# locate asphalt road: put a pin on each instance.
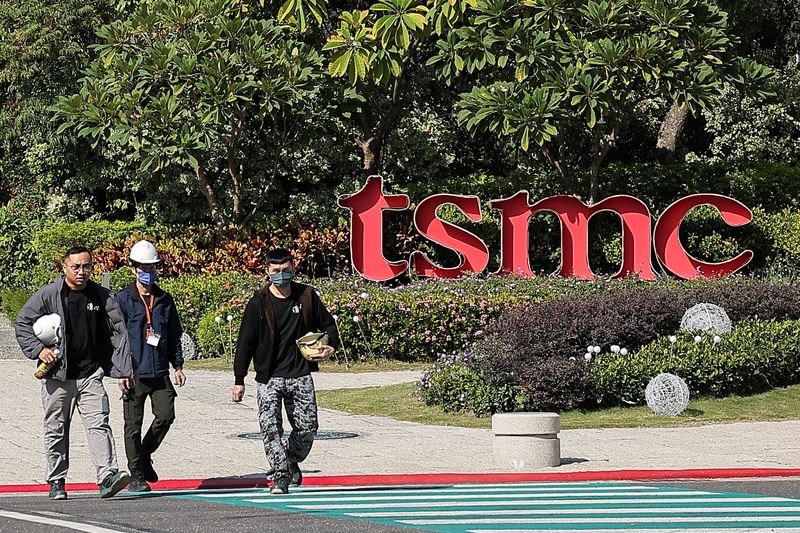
(327, 509)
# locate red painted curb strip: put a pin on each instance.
(441, 479)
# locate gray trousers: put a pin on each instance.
(59, 400)
(297, 394)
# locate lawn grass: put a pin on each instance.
(400, 402)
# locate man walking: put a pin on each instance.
(275, 317)
(95, 344)
(154, 333)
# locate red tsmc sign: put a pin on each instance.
(638, 235)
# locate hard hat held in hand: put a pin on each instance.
(311, 343)
(48, 329)
(143, 252)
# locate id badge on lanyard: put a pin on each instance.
(151, 337)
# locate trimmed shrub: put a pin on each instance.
(539, 348)
(756, 356)
(200, 296)
(217, 339)
(12, 300)
(455, 384)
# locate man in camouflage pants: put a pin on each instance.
(275, 317)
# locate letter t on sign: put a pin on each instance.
(366, 229)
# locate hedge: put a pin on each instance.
(757, 355)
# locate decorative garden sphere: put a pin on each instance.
(187, 344)
(667, 395)
(706, 317)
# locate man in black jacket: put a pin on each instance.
(275, 317)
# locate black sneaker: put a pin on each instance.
(138, 484)
(281, 486)
(113, 483)
(148, 472)
(295, 475)
(57, 490)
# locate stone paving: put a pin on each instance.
(204, 443)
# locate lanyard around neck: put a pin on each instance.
(147, 308)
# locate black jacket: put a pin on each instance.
(258, 341)
(152, 362)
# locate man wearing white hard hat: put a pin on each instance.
(93, 344)
(154, 333)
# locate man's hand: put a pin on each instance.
(47, 356)
(325, 353)
(125, 384)
(180, 377)
(237, 393)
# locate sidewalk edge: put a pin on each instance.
(439, 479)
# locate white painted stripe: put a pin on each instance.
(433, 491)
(534, 512)
(610, 520)
(405, 489)
(436, 495)
(468, 487)
(395, 505)
(77, 526)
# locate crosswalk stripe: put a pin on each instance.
(364, 505)
(484, 496)
(599, 520)
(503, 508)
(649, 530)
(439, 490)
(555, 512)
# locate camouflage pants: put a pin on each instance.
(297, 394)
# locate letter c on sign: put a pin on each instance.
(676, 259)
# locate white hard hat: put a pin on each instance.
(145, 253)
(48, 329)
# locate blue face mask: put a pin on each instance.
(281, 279)
(147, 278)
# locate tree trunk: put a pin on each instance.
(211, 198)
(603, 144)
(371, 149)
(563, 172)
(234, 169)
(670, 132)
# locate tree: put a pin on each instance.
(43, 48)
(767, 30)
(200, 85)
(373, 49)
(544, 65)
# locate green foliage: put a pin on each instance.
(546, 64)
(17, 255)
(217, 338)
(199, 296)
(756, 127)
(12, 300)
(197, 85)
(52, 240)
(456, 385)
(756, 356)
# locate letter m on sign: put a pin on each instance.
(574, 216)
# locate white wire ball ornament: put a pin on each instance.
(188, 347)
(706, 317)
(667, 395)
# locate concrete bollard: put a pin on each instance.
(524, 441)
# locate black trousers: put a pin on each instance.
(162, 401)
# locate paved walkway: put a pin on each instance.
(204, 442)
